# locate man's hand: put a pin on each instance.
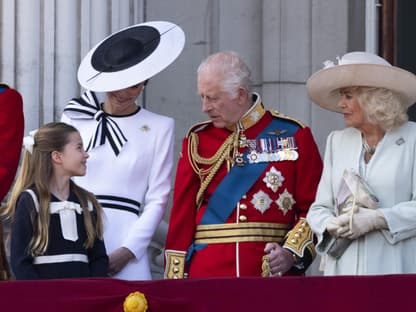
(118, 259)
(280, 259)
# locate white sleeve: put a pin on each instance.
(324, 205)
(157, 194)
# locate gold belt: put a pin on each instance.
(241, 232)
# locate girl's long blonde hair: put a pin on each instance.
(36, 171)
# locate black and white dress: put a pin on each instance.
(64, 257)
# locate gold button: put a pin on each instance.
(294, 241)
(176, 261)
(243, 206)
(175, 270)
(297, 235)
(243, 218)
(244, 196)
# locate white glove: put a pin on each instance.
(333, 226)
(360, 223)
(337, 225)
(350, 206)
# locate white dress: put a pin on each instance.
(140, 173)
(391, 174)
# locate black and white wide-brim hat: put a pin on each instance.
(130, 56)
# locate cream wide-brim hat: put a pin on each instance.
(130, 56)
(359, 69)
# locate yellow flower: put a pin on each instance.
(135, 302)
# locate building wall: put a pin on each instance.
(283, 41)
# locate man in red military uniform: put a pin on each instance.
(11, 136)
(244, 183)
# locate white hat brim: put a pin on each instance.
(172, 41)
(323, 85)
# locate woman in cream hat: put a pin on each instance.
(130, 148)
(364, 214)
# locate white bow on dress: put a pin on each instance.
(66, 210)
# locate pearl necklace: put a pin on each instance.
(369, 149)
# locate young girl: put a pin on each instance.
(57, 230)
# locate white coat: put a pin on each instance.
(141, 172)
(391, 174)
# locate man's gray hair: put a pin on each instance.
(231, 69)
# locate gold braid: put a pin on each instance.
(230, 146)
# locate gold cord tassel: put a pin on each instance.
(214, 163)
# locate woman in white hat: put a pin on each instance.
(130, 148)
(364, 214)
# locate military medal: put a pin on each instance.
(252, 157)
(285, 201)
(261, 201)
(242, 142)
(272, 149)
(273, 179)
(239, 159)
(295, 154)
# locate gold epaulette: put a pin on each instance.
(197, 127)
(300, 238)
(277, 114)
(175, 264)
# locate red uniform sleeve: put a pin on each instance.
(11, 137)
(309, 170)
(182, 217)
(308, 173)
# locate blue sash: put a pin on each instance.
(239, 180)
(237, 183)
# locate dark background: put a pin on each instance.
(406, 40)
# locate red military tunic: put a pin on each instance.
(11, 137)
(272, 206)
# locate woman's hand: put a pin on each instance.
(118, 259)
(333, 226)
(360, 223)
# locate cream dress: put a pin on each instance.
(391, 174)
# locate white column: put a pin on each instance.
(243, 32)
(371, 25)
(27, 58)
(66, 53)
(7, 42)
(47, 74)
(100, 20)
